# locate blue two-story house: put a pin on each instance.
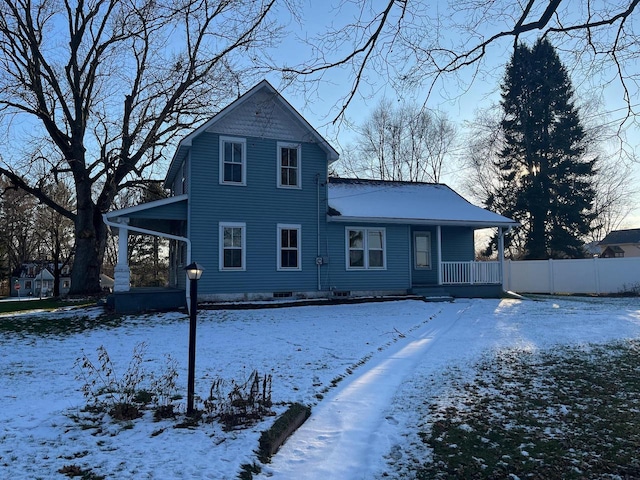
(251, 201)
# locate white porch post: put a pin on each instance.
(439, 250)
(501, 255)
(122, 274)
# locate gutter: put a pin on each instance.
(417, 221)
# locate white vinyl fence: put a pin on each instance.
(589, 276)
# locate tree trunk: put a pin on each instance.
(91, 237)
(56, 271)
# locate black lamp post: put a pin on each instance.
(194, 272)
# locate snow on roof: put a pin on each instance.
(404, 202)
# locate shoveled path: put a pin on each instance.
(350, 430)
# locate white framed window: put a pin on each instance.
(422, 250)
(232, 246)
(289, 165)
(233, 161)
(366, 248)
(289, 243)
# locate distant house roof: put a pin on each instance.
(353, 200)
(620, 237)
(185, 144)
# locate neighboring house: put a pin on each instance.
(621, 243)
(36, 280)
(252, 203)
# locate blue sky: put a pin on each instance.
(459, 96)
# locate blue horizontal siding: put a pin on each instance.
(457, 244)
(261, 206)
(394, 277)
(173, 211)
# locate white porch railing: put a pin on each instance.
(469, 273)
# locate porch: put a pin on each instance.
(147, 299)
(464, 279)
(471, 273)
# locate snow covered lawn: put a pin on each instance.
(367, 370)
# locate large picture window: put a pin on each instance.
(365, 248)
(288, 165)
(233, 161)
(232, 246)
(422, 250)
(289, 253)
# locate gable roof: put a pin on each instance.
(263, 87)
(352, 200)
(619, 237)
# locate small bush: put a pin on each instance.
(243, 404)
(632, 290)
(102, 386)
(124, 397)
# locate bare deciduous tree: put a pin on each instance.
(54, 231)
(404, 143)
(110, 84)
(417, 44)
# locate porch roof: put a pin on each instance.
(406, 202)
(159, 215)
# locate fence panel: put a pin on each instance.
(589, 276)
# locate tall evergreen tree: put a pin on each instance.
(546, 179)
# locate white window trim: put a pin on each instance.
(222, 226)
(243, 141)
(288, 226)
(415, 251)
(366, 248)
(298, 147)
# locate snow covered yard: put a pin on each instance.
(368, 370)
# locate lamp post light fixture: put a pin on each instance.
(194, 272)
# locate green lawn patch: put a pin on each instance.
(44, 304)
(76, 321)
(571, 413)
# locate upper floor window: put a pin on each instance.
(232, 246)
(366, 248)
(233, 160)
(289, 247)
(288, 165)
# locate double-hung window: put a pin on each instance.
(366, 248)
(232, 246)
(233, 161)
(289, 253)
(289, 165)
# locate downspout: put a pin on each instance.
(158, 234)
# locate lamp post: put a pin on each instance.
(194, 272)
